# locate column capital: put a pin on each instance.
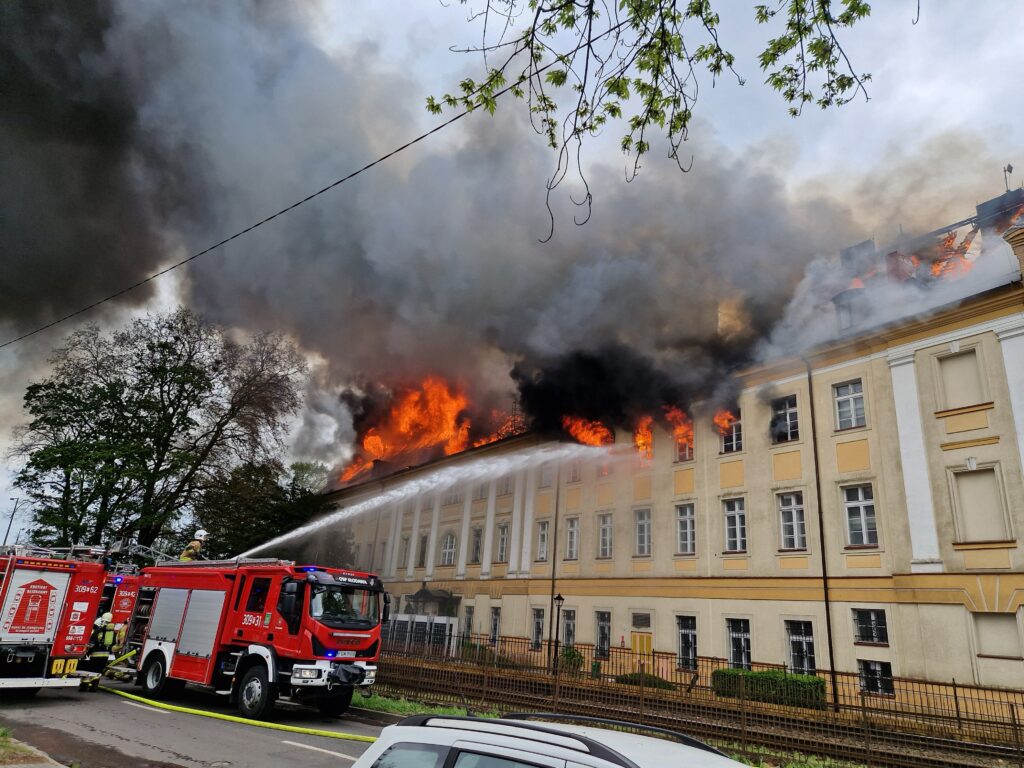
(1012, 328)
(901, 357)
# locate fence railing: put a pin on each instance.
(868, 719)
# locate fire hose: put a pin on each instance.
(242, 720)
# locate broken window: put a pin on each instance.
(785, 425)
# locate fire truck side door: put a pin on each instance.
(291, 604)
(253, 623)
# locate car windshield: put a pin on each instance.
(344, 607)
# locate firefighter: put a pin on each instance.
(191, 552)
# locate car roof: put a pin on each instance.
(602, 739)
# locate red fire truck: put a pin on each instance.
(47, 606)
(258, 629)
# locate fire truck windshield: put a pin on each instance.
(344, 607)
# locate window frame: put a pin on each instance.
(572, 538)
(732, 441)
(692, 518)
(602, 643)
(536, 639)
(568, 620)
(469, 614)
(799, 539)
(605, 543)
(452, 496)
(685, 451)
(1009, 533)
(852, 398)
(643, 530)
(476, 545)
(879, 631)
(883, 678)
(781, 408)
(501, 540)
(803, 639)
(744, 636)
(449, 548)
(543, 541)
(546, 476)
(423, 550)
(575, 473)
(741, 528)
(690, 662)
(860, 503)
(494, 627)
(955, 349)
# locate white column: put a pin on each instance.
(517, 515)
(492, 494)
(435, 520)
(467, 513)
(414, 537)
(924, 538)
(393, 540)
(529, 487)
(1011, 340)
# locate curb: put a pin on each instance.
(44, 759)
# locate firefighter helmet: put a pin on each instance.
(201, 535)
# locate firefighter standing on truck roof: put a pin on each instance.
(191, 552)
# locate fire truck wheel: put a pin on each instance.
(334, 703)
(154, 678)
(255, 694)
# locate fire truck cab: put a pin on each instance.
(47, 607)
(259, 629)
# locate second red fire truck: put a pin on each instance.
(259, 629)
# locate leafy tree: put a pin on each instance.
(579, 64)
(130, 427)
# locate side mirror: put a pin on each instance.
(386, 614)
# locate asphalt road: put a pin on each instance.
(102, 730)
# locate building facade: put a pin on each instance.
(882, 471)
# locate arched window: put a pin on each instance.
(448, 549)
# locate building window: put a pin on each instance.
(801, 647)
(961, 380)
(569, 626)
(735, 525)
(452, 496)
(791, 517)
(480, 492)
(476, 546)
(859, 501)
(849, 404)
(421, 556)
(504, 486)
(604, 470)
(869, 626)
(572, 538)
(739, 643)
(732, 436)
(537, 633)
(448, 549)
(642, 526)
(785, 425)
(603, 640)
(547, 476)
(542, 541)
(980, 515)
(575, 472)
(684, 450)
(495, 625)
(503, 544)
(469, 619)
(686, 530)
(686, 630)
(604, 535)
(642, 621)
(403, 556)
(875, 676)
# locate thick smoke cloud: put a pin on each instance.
(166, 127)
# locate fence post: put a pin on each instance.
(956, 703)
(743, 711)
(1016, 731)
(865, 726)
(641, 693)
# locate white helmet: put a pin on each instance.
(201, 535)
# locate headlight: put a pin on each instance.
(307, 674)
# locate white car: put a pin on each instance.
(535, 741)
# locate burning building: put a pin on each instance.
(859, 493)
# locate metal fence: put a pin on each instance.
(876, 721)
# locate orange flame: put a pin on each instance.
(724, 421)
(952, 258)
(586, 431)
(511, 424)
(682, 426)
(643, 437)
(420, 418)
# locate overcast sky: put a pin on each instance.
(945, 115)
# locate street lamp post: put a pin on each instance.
(11, 521)
(558, 626)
